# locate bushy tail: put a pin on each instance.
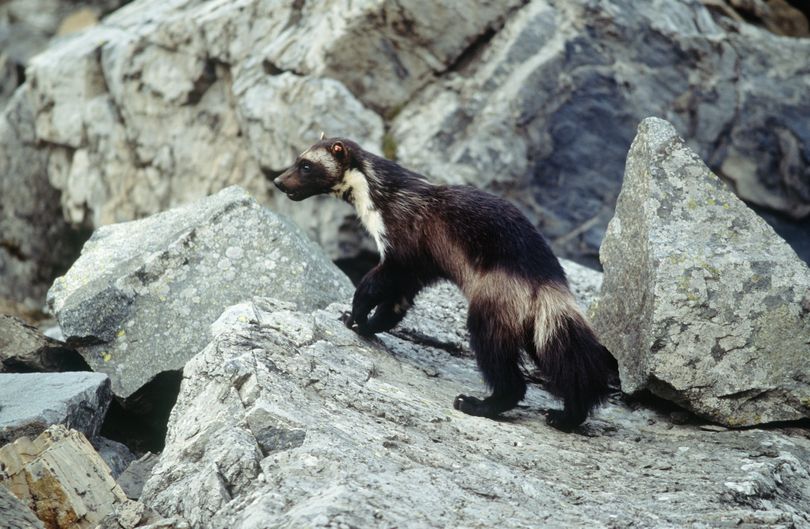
(574, 364)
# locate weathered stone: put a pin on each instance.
(702, 303)
(364, 435)
(60, 477)
(140, 298)
(16, 515)
(23, 348)
(136, 474)
(31, 402)
(35, 241)
(117, 456)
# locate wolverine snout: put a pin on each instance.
(279, 184)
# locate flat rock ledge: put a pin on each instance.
(288, 419)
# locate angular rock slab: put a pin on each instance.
(31, 402)
(288, 419)
(143, 293)
(702, 303)
(61, 478)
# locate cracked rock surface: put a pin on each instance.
(288, 419)
(702, 303)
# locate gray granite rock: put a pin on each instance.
(702, 303)
(117, 456)
(137, 472)
(23, 348)
(140, 298)
(16, 515)
(288, 419)
(31, 402)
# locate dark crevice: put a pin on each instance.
(203, 82)
(20, 73)
(14, 250)
(471, 52)
(141, 421)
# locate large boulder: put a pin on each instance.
(288, 419)
(31, 402)
(164, 102)
(702, 303)
(140, 298)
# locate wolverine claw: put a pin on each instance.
(559, 420)
(347, 318)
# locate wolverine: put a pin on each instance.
(518, 294)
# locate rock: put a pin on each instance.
(136, 474)
(16, 515)
(292, 420)
(23, 348)
(31, 402)
(35, 241)
(60, 477)
(117, 456)
(140, 298)
(131, 514)
(702, 303)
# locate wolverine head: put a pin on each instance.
(316, 171)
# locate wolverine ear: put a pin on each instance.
(338, 150)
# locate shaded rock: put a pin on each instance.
(140, 298)
(702, 303)
(117, 456)
(137, 472)
(23, 348)
(16, 515)
(35, 240)
(364, 435)
(131, 514)
(31, 402)
(60, 477)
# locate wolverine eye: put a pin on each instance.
(306, 167)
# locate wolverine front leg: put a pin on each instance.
(380, 288)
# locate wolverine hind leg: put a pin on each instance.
(497, 352)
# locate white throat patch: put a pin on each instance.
(355, 181)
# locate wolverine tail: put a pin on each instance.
(576, 366)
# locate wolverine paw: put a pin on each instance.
(347, 318)
(472, 406)
(559, 420)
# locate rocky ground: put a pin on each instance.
(196, 373)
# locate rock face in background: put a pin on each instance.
(61, 478)
(31, 402)
(27, 26)
(140, 298)
(166, 101)
(289, 419)
(701, 302)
